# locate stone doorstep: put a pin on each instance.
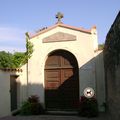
(62, 112)
(15, 112)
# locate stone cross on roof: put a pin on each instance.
(59, 16)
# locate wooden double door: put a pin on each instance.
(61, 81)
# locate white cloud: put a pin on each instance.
(12, 39)
(12, 34)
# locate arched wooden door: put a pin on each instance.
(61, 81)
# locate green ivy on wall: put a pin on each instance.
(29, 47)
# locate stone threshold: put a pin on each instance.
(62, 112)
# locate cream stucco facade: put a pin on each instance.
(5, 89)
(84, 48)
(81, 43)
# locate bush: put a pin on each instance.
(88, 107)
(32, 106)
(26, 108)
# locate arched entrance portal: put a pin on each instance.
(61, 81)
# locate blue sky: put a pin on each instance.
(20, 16)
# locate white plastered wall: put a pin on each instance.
(23, 84)
(91, 68)
(5, 101)
(82, 48)
(100, 79)
(4, 94)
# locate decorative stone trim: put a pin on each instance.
(11, 69)
(60, 25)
(59, 37)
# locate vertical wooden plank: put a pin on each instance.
(61, 81)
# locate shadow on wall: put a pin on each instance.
(64, 95)
(19, 93)
(92, 75)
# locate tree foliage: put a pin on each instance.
(16, 60)
(101, 46)
(29, 47)
(6, 60)
(9, 60)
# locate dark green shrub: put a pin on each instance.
(26, 108)
(32, 106)
(88, 107)
(36, 109)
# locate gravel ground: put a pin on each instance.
(53, 117)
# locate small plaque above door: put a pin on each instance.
(59, 37)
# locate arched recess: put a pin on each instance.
(61, 81)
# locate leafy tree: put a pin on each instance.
(6, 60)
(101, 46)
(29, 47)
(18, 59)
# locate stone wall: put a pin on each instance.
(112, 69)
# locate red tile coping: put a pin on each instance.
(60, 25)
(11, 69)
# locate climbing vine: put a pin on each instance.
(29, 48)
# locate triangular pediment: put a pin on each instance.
(59, 37)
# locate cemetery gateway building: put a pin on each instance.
(65, 61)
